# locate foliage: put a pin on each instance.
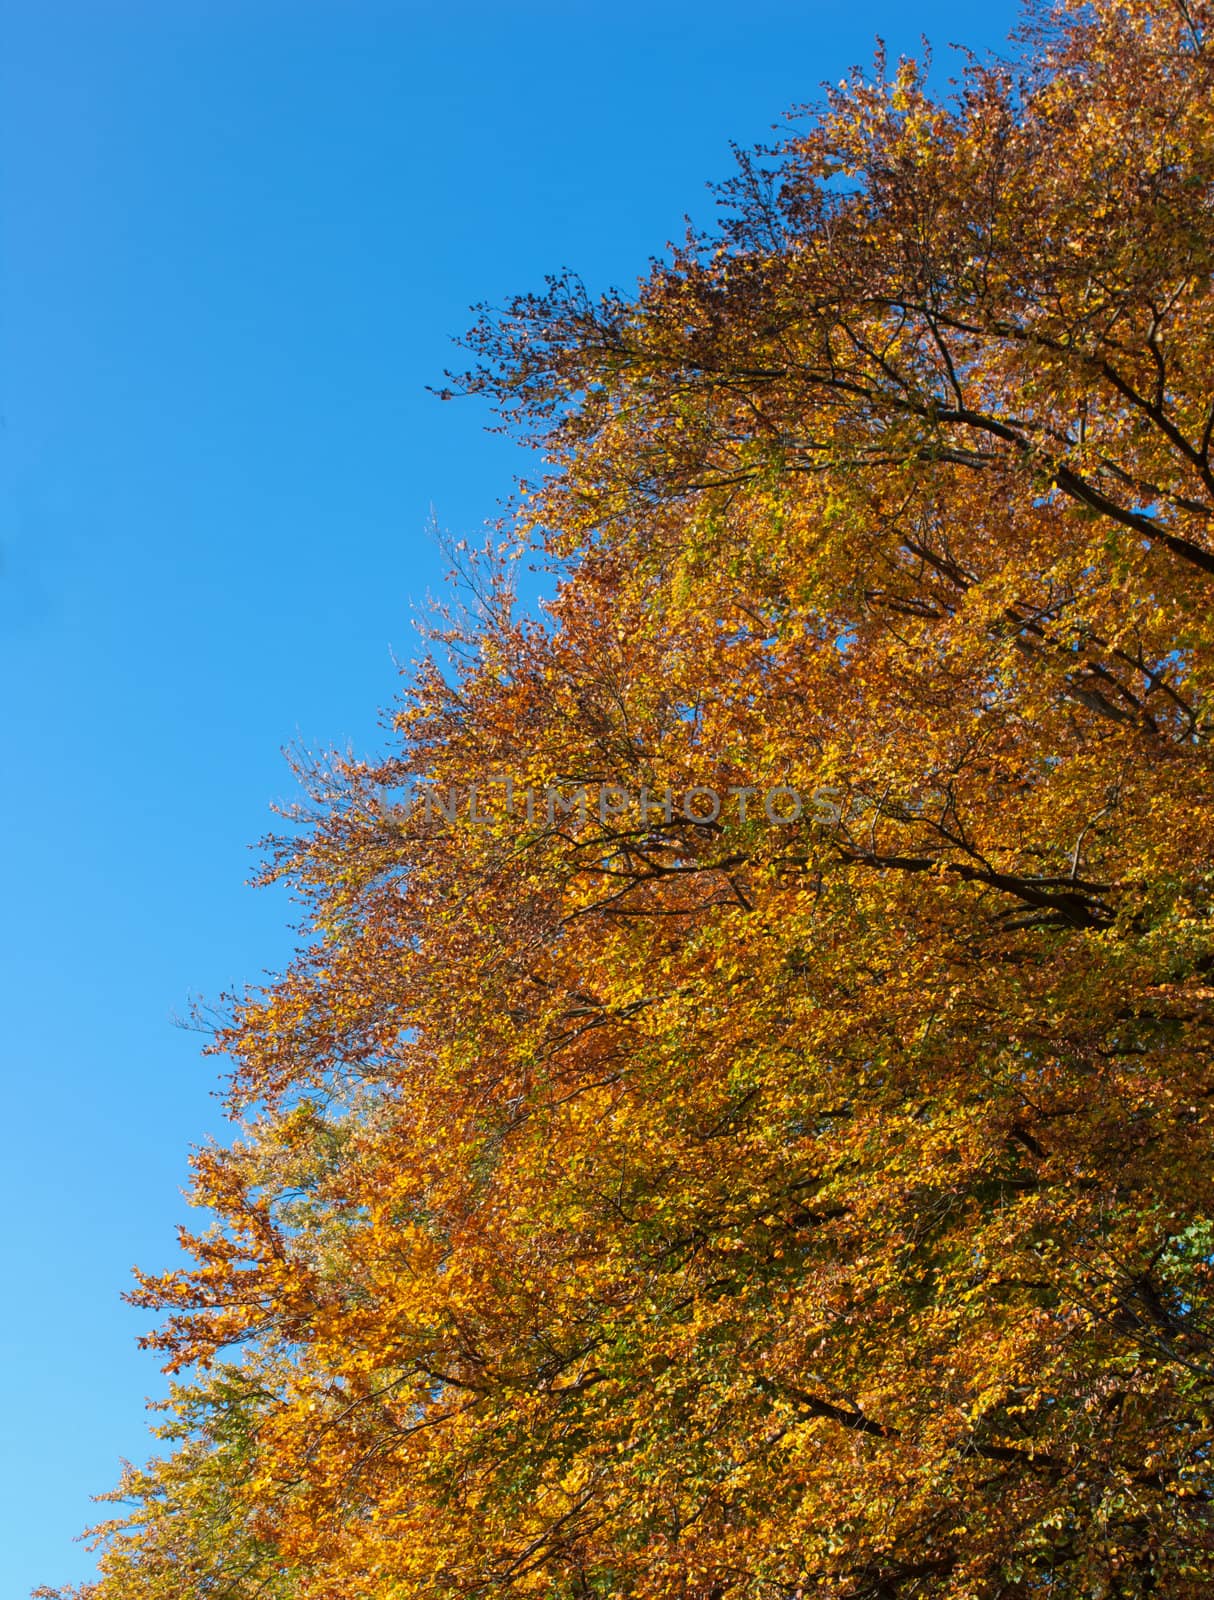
(729, 1210)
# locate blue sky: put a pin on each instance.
(237, 237)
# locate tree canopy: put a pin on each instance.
(641, 1199)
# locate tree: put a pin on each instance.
(645, 1199)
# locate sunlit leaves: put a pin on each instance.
(634, 1205)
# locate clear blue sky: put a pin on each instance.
(237, 236)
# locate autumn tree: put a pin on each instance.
(640, 1200)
